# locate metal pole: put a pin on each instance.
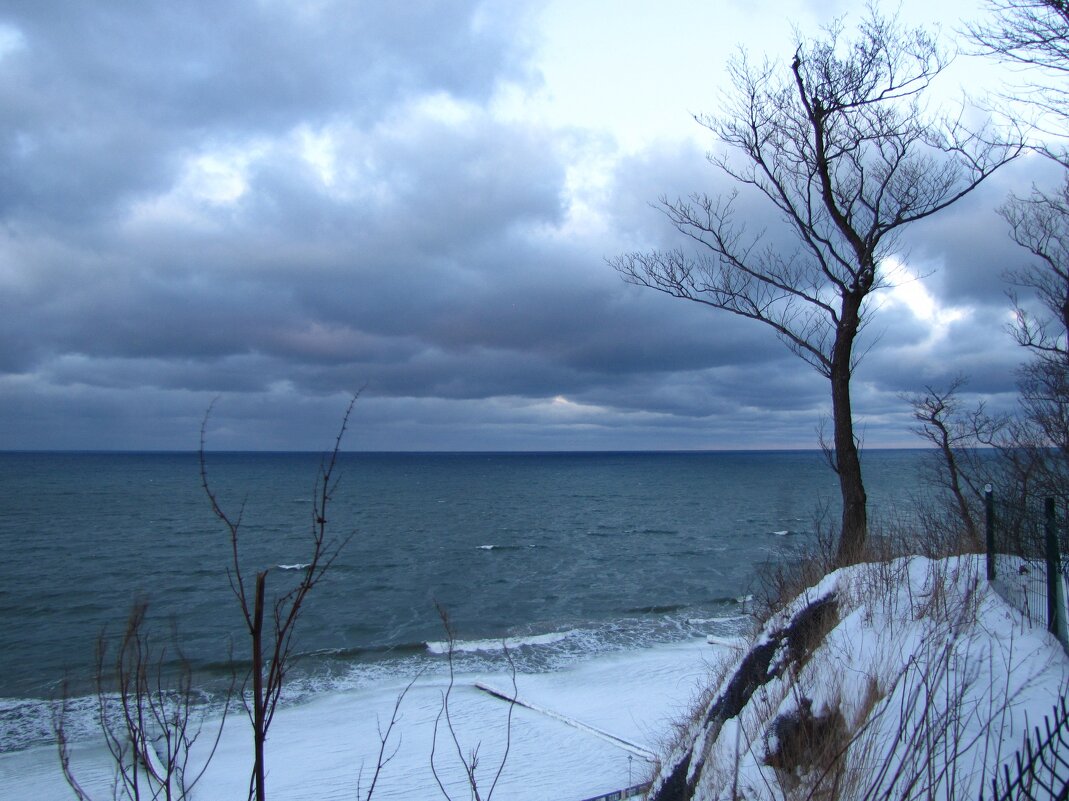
(989, 526)
(1055, 590)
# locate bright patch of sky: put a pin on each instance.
(209, 180)
(641, 76)
(560, 404)
(911, 292)
(11, 40)
(317, 148)
(632, 80)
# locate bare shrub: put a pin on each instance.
(798, 741)
(779, 581)
(469, 759)
(385, 752)
(148, 714)
(271, 644)
(921, 755)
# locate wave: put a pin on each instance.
(293, 567)
(504, 547)
(476, 646)
(610, 531)
(725, 600)
(359, 652)
(666, 609)
(27, 722)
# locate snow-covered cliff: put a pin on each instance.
(905, 679)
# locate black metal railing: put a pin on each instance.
(1040, 770)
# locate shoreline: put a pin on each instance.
(316, 748)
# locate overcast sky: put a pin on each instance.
(278, 202)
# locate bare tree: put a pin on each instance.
(1035, 34)
(147, 710)
(1040, 225)
(1032, 34)
(841, 146)
(957, 433)
(1027, 32)
(271, 644)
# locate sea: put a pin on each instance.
(568, 557)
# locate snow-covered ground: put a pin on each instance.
(316, 750)
(925, 678)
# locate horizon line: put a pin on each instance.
(446, 452)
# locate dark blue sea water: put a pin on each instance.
(567, 554)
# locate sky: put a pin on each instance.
(274, 204)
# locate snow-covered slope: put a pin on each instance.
(905, 679)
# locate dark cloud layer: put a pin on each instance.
(279, 203)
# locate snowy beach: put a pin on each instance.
(317, 750)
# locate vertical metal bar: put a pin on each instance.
(1051, 556)
(989, 529)
(1055, 584)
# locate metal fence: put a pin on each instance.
(1025, 544)
(1040, 770)
(1025, 564)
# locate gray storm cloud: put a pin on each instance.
(279, 203)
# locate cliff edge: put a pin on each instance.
(902, 679)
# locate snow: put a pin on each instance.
(935, 676)
(317, 750)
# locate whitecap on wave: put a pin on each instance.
(504, 547)
(472, 646)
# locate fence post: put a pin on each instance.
(1055, 589)
(989, 529)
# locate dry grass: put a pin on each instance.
(717, 672)
(899, 734)
(929, 532)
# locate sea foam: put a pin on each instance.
(473, 646)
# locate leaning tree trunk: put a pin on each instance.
(847, 461)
